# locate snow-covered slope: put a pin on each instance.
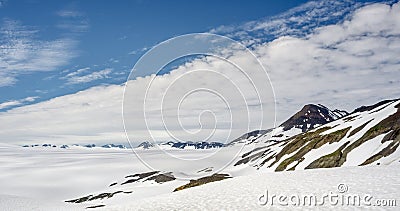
(249, 138)
(368, 136)
(244, 192)
(13, 203)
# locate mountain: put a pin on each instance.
(145, 145)
(312, 116)
(368, 136)
(181, 145)
(308, 118)
(65, 146)
(249, 138)
(120, 146)
(370, 107)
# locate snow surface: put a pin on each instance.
(242, 193)
(42, 179)
(364, 151)
(57, 175)
(15, 203)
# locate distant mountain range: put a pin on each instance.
(309, 117)
(65, 146)
(314, 137)
(182, 145)
(143, 145)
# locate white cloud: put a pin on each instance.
(124, 37)
(138, 51)
(80, 117)
(21, 52)
(77, 72)
(112, 60)
(342, 66)
(335, 62)
(69, 13)
(74, 26)
(6, 80)
(297, 22)
(73, 21)
(76, 77)
(13, 103)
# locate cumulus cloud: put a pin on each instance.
(342, 65)
(21, 52)
(85, 117)
(205, 97)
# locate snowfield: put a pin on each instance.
(12, 203)
(243, 193)
(42, 179)
(55, 175)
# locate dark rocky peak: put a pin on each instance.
(311, 116)
(371, 107)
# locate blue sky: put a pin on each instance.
(109, 36)
(104, 40)
(63, 64)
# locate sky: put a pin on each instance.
(101, 40)
(63, 64)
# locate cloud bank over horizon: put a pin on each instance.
(344, 65)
